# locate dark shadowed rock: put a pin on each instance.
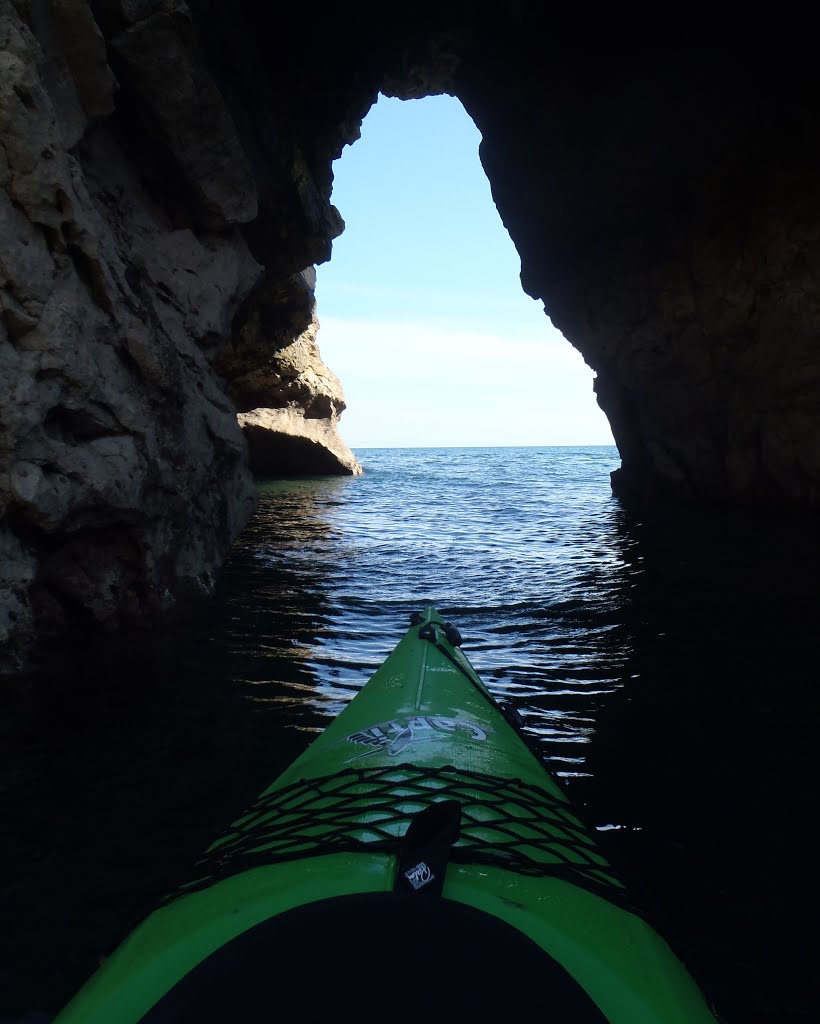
(160, 63)
(166, 176)
(123, 479)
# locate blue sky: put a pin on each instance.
(421, 309)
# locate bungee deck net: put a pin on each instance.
(504, 822)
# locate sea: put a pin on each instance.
(664, 662)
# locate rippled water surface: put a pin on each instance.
(666, 666)
(515, 545)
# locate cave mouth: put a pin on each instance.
(167, 197)
(422, 313)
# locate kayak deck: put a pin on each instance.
(379, 953)
(425, 729)
(505, 822)
(324, 849)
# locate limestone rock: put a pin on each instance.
(122, 469)
(275, 316)
(273, 365)
(166, 175)
(284, 442)
(290, 375)
(669, 219)
(82, 47)
(180, 102)
(290, 401)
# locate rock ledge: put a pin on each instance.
(284, 442)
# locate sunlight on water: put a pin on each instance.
(658, 666)
(520, 547)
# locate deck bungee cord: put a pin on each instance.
(417, 844)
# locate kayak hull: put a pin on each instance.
(424, 730)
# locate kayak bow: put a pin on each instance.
(416, 859)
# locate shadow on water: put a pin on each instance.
(666, 670)
(120, 768)
(705, 761)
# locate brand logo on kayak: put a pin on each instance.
(419, 876)
(394, 736)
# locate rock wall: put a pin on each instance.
(665, 204)
(123, 189)
(165, 178)
(123, 477)
(289, 402)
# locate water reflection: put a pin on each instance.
(706, 756)
(119, 768)
(665, 669)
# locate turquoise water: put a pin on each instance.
(665, 665)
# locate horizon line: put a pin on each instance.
(401, 447)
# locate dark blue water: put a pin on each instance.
(514, 544)
(665, 664)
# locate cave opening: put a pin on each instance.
(422, 313)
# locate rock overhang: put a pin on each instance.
(663, 199)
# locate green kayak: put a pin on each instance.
(417, 860)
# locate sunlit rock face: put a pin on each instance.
(165, 179)
(289, 402)
(287, 442)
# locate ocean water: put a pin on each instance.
(665, 664)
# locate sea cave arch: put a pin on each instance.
(662, 200)
(421, 308)
(165, 183)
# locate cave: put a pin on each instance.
(166, 173)
(166, 178)
(422, 312)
